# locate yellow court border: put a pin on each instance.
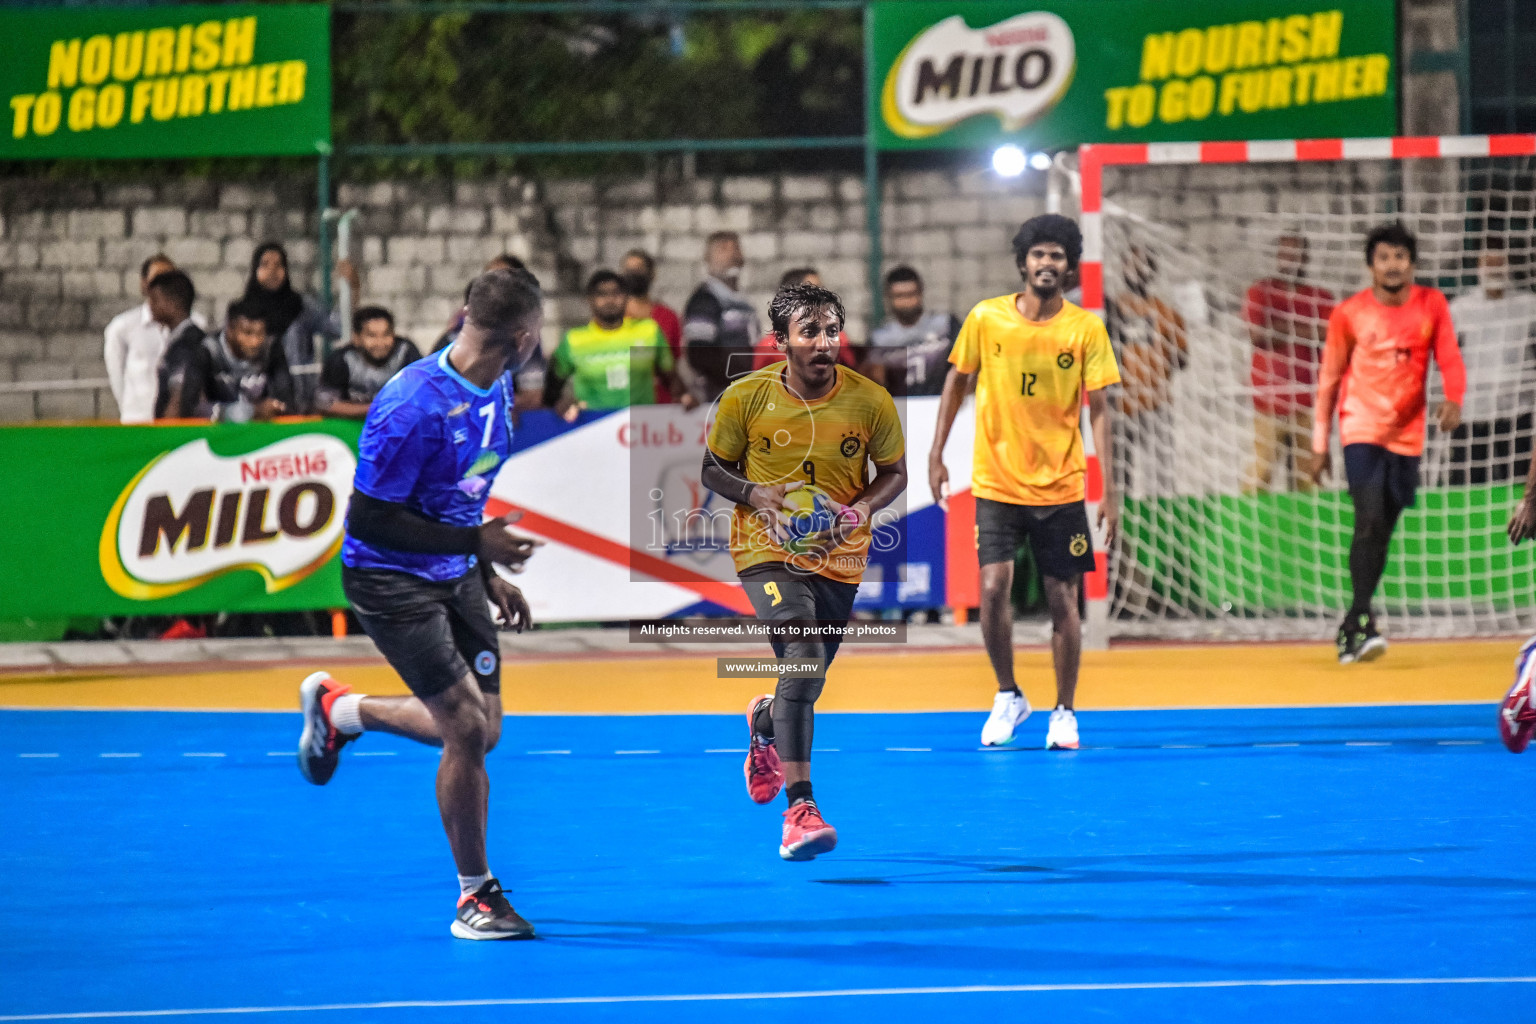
(1151, 676)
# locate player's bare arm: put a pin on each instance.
(1337, 351)
(1103, 444)
(1448, 416)
(500, 546)
(956, 386)
(508, 600)
(1319, 467)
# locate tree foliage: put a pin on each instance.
(476, 77)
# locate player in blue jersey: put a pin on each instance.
(417, 571)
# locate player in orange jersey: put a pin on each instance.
(1033, 355)
(1374, 365)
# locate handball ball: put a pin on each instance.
(810, 512)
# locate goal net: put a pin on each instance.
(1217, 282)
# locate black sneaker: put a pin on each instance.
(1348, 643)
(1358, 640)
(1372, 644)
(486, 914)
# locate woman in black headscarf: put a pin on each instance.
(294, 319)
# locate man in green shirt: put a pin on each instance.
(613, 361)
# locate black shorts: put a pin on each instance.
(433, 634)
(780, 593)
(1381, 481)
(1058, 535)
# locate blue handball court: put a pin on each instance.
(1342, 864)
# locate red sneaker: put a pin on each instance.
(765, 776)
(1517, 718)
(321, 742)
(805, 833)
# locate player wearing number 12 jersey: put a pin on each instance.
(1033, 355)
(806, 420)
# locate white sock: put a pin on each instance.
(345, 715)
(472, 883)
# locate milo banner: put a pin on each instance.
(166, 81)
(1063, 72)
(116, 520)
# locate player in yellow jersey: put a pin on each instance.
(1033, 355)
(804, 421)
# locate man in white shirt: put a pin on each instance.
(1497, 326)
(134, 345)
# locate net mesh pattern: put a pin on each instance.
(1218, 283)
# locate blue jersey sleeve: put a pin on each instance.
(397, 441)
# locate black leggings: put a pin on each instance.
(781, 594)
(1381, 485)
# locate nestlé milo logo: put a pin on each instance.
(1017, 69)
(192, 515)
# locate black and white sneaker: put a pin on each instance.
(1358, 639)
(1348, 644)
(1372, 644)
(486, 914)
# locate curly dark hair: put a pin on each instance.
(792, 302)
(1391, 234)
(1049, 227)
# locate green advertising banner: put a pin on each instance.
(237, 80)
(1266, 553)
(123, 520)
(1063, 72)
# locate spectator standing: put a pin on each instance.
(1287, 320)
(134, 343)
(169, 297)
(1153, 346)
(1496, 325)
(639, 272)
(767, 352)
(611, 362)
(909, 353)
(720, 326)
(353, 374)
(293, 319)
(237, 375)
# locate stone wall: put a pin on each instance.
(69, 254)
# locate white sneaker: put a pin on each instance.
(1062, 735)
(1009, 708)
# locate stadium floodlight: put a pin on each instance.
(1040, 161)
(1009, 161)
